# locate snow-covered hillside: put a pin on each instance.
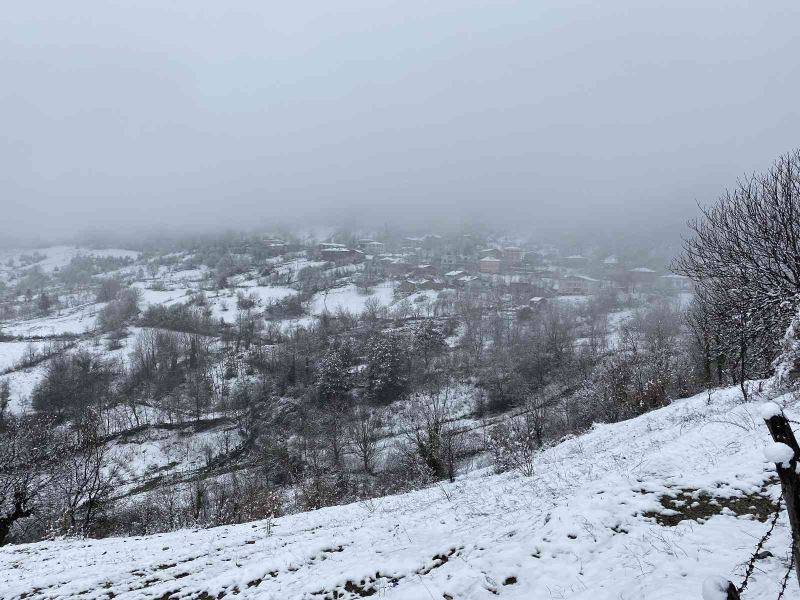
(647, 508)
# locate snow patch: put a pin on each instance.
(769, 410)
(716, 588)
(779, 453)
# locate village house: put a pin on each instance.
(489, 264)
(642, 278)
(512, 255)
(611, 263)
(537, 302)
(417, 285)
(432, 242)
(451, 276)
(394, 266)
(407, 286)
(449, 260)
(370, 246)
(328, 246)
(274, 246)
(425, 270)
(431, 284)
(520, 286)
(453, 260)
(341, 255)
(578, 285)
(544, 281)
(493, 252)
(575, 261)
(675, 283)
(470, 283)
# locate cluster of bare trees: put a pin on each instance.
(53, 479)
(648, 368)
(745, 260)
(237, 497)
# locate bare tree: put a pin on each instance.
(5, 399)
(86, 476)
(365, 438)
(426, 421)
(29, 448)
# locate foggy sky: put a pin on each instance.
(128, 116)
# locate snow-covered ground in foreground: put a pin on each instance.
(577, 529)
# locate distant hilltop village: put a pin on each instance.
(434, 262)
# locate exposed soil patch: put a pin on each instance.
(696, 505)
(369, 586)
(438, 561)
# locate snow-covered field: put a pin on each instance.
(57, 257)
(349, 298)
(12, 352)
(21, 384)
(75, 320)
(170, 452)
(582, 527)
(166, 297)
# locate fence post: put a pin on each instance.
(781, 432)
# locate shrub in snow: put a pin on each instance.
(233, 498)
(124, 307)
(428, 340)
(513, 446)
(108, 289)
(72, 383)
(334, 379)
(246, 301)
(625, 384)
(384, 377)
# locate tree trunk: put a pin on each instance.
(706, 359)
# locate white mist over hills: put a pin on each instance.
(549, 116)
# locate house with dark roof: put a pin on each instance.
(642, 277)
(578, 285)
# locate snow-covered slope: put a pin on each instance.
(645, 509)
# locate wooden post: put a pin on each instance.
(733, 593)
(782, 433)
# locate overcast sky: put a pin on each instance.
(200, 114)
